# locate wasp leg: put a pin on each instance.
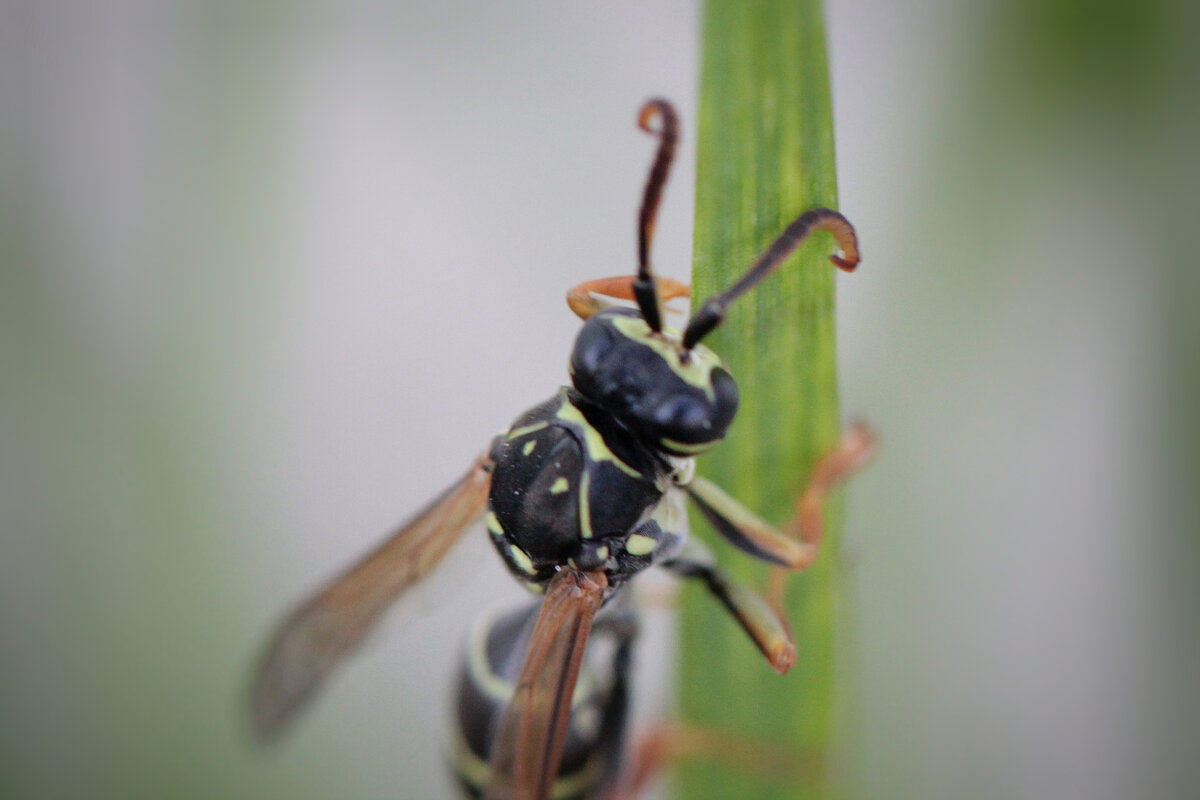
(794, 546)
(673, 741)
(583, 300)
(653, 750)
(768, 630)
(744, 529)
(807, 525)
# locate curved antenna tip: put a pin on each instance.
(645, 289)
(656, 107)
(845, 264)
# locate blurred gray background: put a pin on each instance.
(271, 274)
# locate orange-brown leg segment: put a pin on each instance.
(807, 526)
(586, 298)
(669, 742)
(793, 546)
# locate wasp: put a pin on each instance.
(583, 492)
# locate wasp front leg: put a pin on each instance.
(586, 301)
(794, 546)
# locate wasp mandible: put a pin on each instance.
(584, 491)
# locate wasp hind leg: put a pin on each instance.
(664, 743)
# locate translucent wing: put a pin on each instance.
(530, 740)
(330, 625)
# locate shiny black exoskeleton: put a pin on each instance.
(579, 477)
(571, 485)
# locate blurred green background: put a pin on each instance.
(270, 275)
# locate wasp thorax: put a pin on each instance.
(676, 402)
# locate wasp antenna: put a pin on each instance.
(712, 311)
(644, 288)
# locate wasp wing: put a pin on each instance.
(529, 742)
(331, 624)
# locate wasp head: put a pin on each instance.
(678, 401)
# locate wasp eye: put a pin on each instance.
(685, 420)
(682, 412)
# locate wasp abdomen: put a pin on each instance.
(487, 680)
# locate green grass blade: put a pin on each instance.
(765, 154)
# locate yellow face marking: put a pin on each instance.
(528, 448)
(517, 433)
(698, 369)
(681, 447)
(493, 524)
(638, 545)
(593, 441)
(560, 486)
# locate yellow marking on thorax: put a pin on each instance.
(517, 433)
(585, 511)
(560, 486)
(522, 560)
(638, 545)
(597, 449)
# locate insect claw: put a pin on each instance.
(782, 657)
(844, 264)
